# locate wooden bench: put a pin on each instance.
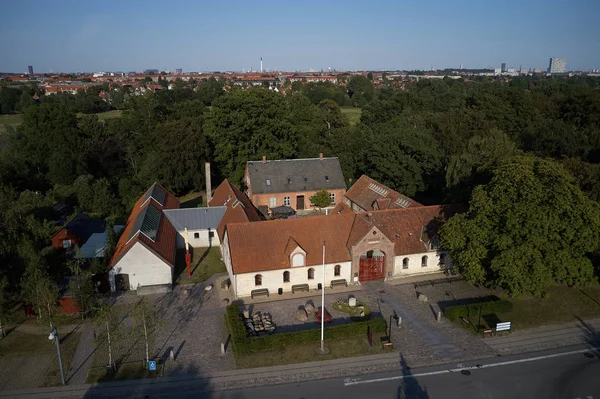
(464, 320)
(388, 345)
(489, 332)
(258, 292)
(339, 282)
(300, 287)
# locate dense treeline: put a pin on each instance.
(441, 141)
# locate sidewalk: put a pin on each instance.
(579, 332)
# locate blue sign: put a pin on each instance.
(152, 365)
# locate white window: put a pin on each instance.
(196, 235)
(268, 182)
(332, 198)
(66, 243)
(298, 260)
(424, 261)
(405, 263)
(272, 202)
(286, 201)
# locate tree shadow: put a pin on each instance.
(590, 333)
(204, 255)
(186, 380)
(409, 387)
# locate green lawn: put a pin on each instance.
(12, 119)
(17, 344)
(205, 263)
(563, 305)
(352, 113)
(17, 119)
(127, 371)
(192, 200)
(302, 353)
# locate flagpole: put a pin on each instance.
(323, 302)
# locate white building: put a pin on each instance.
(557, 65)
(285, 255)
(145, 253)
(201, 224)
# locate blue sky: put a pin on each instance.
(202, 35)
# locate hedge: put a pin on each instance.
(490, 307)
(242, 344)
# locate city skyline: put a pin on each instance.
(68, 36)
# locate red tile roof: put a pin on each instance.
(408, 228)
(366, 191)
(239, 207)
(164, 245)
(263, 246)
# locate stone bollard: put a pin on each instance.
(222, 348)
(172, 355)
(439, 316)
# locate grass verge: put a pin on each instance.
(301, 353)
(68, 346)
(205, 263)
(125, 371)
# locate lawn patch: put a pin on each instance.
(205, 263)
(352, 113)
(68, 346)
(125, 371)
(360, 312)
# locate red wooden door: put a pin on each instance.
(371, 269)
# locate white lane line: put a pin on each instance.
(455, 370)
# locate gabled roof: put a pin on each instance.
(148, 225)
(294, 175)
(410, 229)
(195, 218)
(369, 194)
(82, 226)
(239, 207)
(256, 247)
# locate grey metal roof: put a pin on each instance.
(292, 175)
(195, 218)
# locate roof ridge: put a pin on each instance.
(295, 159)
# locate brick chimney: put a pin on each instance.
(321, 156)
(208, 182)
(264, 159)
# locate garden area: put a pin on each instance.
(267, 347)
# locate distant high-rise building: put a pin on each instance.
(503, 68)
(178, 71)
(30, 69)
(557, 65)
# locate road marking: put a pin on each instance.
(481, 366)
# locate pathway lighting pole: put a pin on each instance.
(54, 336)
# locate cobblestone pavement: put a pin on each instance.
(83, 355)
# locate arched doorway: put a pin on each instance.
(372, 264)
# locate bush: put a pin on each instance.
(454, 313)
(242, 344)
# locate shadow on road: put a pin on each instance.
(409, 387)
(188, 384)
(590, 333)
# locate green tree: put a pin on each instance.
(40, 291)
(5, 313)
(321, 199)
(81, 287)
(107, 320)
(147, 321)
(528, 228)
(360, 90)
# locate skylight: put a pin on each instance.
(268, 182)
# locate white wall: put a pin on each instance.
(414, 264)
(273, 279)
(143, 268)
(226, 255)
(203, 241)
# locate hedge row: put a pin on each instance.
(490, 307)
(242, 344)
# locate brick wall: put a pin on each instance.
(264, 199)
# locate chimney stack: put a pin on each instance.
(264, 159)
(321, 156)
(208, 182)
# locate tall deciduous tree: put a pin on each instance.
(529, 228)
(145, 321)
(321, 199)
(107, 320)
(40, 291)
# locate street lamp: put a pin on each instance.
(54, 336)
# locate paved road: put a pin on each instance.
(569, 373)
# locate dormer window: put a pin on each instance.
(305, 179)
(289, 181)
(326, 178)
(298, 260)
(268, 182)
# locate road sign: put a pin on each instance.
(152, 365)
(503, 326)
